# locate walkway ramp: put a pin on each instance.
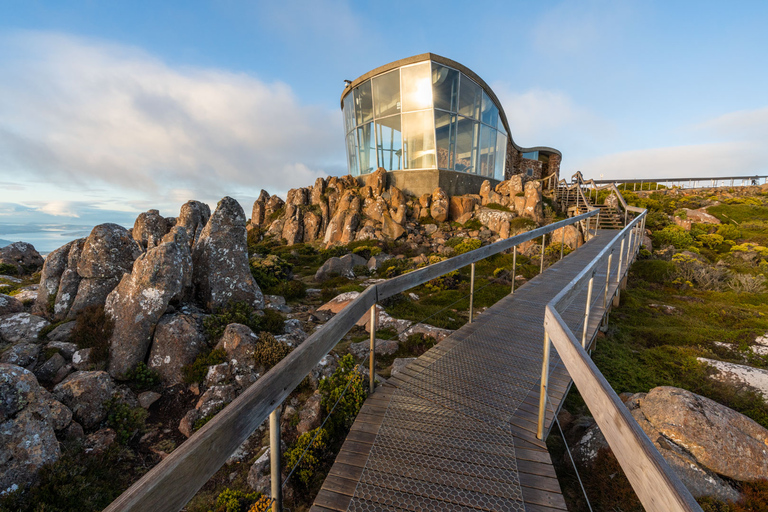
(456, 430)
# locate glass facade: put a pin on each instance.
(423, 116)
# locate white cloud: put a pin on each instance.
(752, 124)
(548, 118)
(59, 209)
(101, 114)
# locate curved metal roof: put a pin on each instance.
(453, 64)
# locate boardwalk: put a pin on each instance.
(456, 430)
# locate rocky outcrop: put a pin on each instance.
(22, 256)
(193, 217)
(160, 275)
(179, 338)
(690, 217)
(220, 259)
(343, 266)
(55, 265)
(439, 205)
(239, 342)
(86, 393)
(17, 327)
(29, 417)
(738, 375)
(150, 228)
(10, 305)
(533, 208)
(69, 282)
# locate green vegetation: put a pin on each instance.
(242, 313)
(125, 420)
(197, 371)
(143, 377)
(497, 206)
(232, 500)
(93, 328)
(268, 352)
(8, 269)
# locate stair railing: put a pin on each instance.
(174, 481)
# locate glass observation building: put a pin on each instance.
(426, 113)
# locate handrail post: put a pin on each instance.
(597, 222)
(514, 268)
(586, 311)
(562, 242)
(618, 271)
(607, 282)
(543, 246)
(471, 292)
(372, 355)
(544, 385)
(274, 459)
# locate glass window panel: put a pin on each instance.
(349, 112)
(487, 151)
(419, 140)
(532, 155)
(501, 155)
(352, 161)
(445, 132)
(470, 98)
(366, 148)
(363, 103)
(417, 87)
(386, 93)
(466, 146)
(500, 127)
(389, 143)
(445, 87)
(490, 113)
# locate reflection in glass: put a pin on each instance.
(490, 113)
(470, 97)
(487, 151)
(349, 113)
(386, 93)
(366, 148)
(445, 87)
(466, 147)
(354, 170)
(363, 103)
(419, 140)
(501, 155)
(417, 87)
(445, 131)
(389, 143)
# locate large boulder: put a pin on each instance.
(495, 220)
(108, 253)
(193, 217)
(69, 282)
(22, 256)
(17, 327)
(339, 266)
(21, 354)
(460, 206)
(568, 234)
(10, 305)
(179, 338)
(149, 229)
(90, 292)
(221, 272)
(377, 180)
(29, 417)
(440, 205)
(142, 297)
(86, 394)
(533, 208)
(339, 302)
(55, 265)
(738, 375)
(239, 342)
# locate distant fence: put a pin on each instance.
(704, 182)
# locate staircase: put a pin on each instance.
(571, 199)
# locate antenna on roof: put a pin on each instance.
(347, 83)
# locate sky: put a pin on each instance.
(108, 109)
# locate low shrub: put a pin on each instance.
(143, 377)
(521, 224)
(268, 352)
(417, 344)
(729, 231)
(308, 469)
(93, 328)
(345, 385)
(473, 224)
(197, 371)
(468, 244)
(747, 283)
(230, 500)
(269, 272)
(8, 269)
(125, 420)
(672, 235)
(690, 271)
(243, 313)
(653, 271)
(497, 206)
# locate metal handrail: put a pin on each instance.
(175, 480)
(655, 483)
(692, 181)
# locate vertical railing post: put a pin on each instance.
(597, 222)
(586, 311)
(562, 242)
(274, 459)
(372, 355)
(543, 246)
(514, 268)
(544, 385)
(607, 282)
(471, 292)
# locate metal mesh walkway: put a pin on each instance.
(456, 430)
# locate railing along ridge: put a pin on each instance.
(691, 182)
(655, 483)
(175, 480)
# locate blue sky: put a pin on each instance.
(113, 108)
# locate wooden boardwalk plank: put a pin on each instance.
(456, 429)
